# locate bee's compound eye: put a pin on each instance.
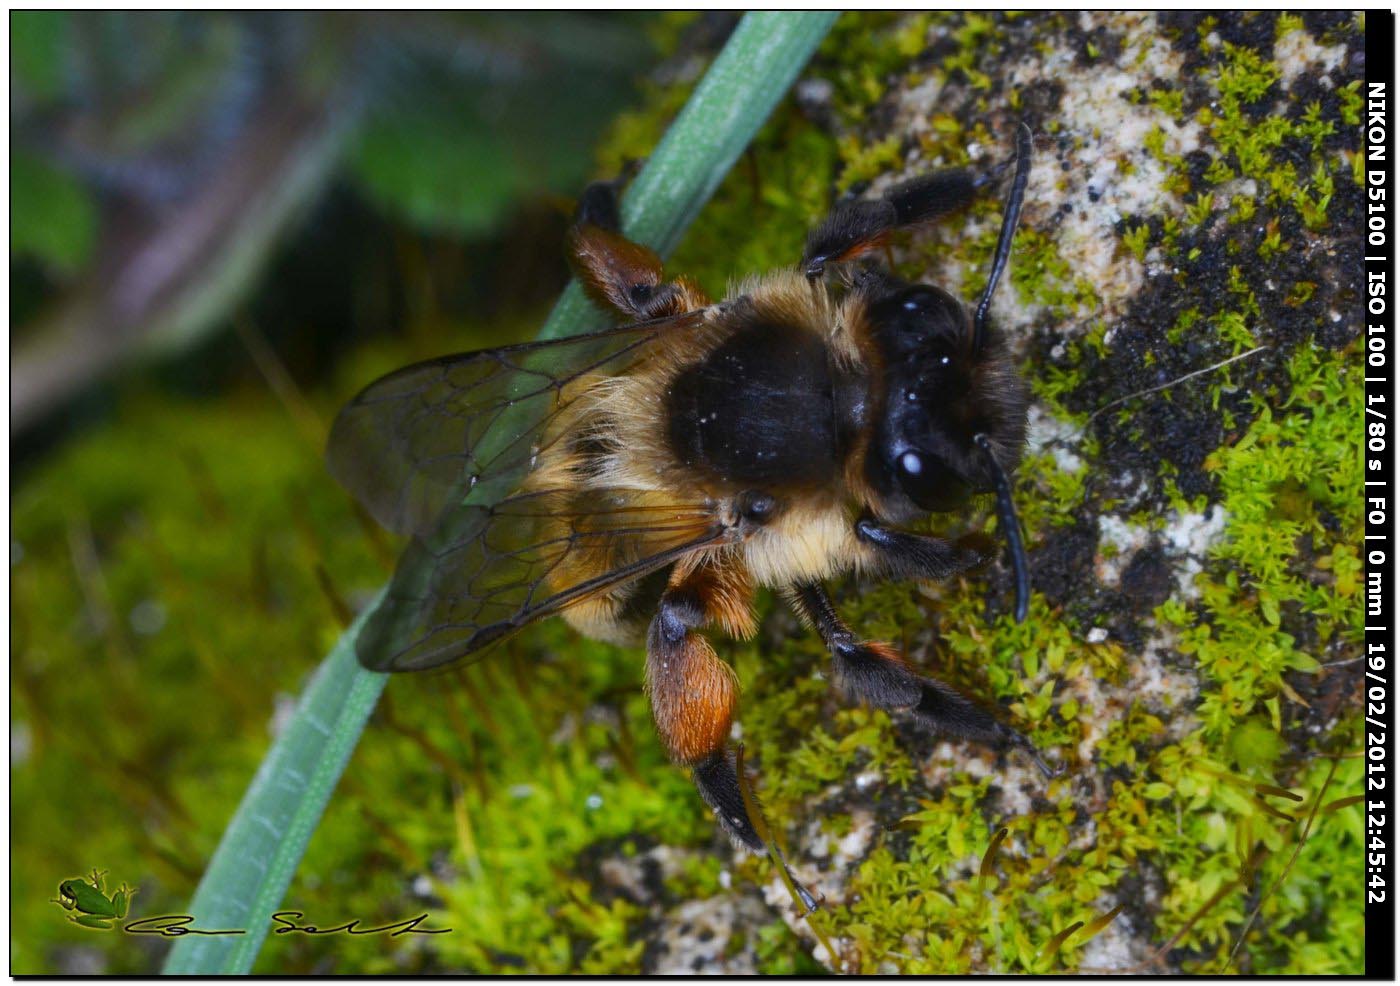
(912, 463)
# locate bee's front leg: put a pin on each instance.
(874, 673)
(900, 554)
(856, 227)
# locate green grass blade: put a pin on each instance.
(264, 842)
(249, 873)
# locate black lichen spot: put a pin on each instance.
(1320, 23)
(1041, 102)
(1062, 566)
(1197, 162)
(1147, 579)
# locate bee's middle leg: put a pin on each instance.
(874, 673)
(693, 694)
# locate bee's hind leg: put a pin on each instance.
(693, 693)
(874, 673)
(617, 273)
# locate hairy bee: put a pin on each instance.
(642, 481)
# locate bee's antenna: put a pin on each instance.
(1011, 525)
(1009, 219)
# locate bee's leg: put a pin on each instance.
(859, 226)
(900, 554)
(693, 693)
(597, 206)
(618, 274)
(874, 673)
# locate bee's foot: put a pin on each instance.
(809, 902)
(1021, 742)
(976, 550)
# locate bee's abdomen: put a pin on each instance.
(758, 409)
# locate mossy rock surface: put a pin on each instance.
(1190, 656)
(1184, 298)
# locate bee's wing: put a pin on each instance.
(414, 442)
(494, 568)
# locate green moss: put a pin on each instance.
(863, 163)
(1290, 470)
(1169, 101)
(1287, 24)
(1245, 75)
(1350, 100)
(135, 680)
(1272, 244)
(1252, 146)
(779, 954)
(860, 52)
(1043, 277)
(976, 37)
(1201, 210)
(1136, 240)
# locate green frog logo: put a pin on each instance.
(89, 903)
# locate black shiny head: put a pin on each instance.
(951, 419)
(940, 391)
(951, 414)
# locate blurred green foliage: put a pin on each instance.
(458, 150)
(457, 116)
(54, 218)
(37, 41)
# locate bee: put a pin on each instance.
(644, 480)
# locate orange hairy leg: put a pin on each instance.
(693, 693)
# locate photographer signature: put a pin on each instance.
(288, 922)
(91, 905)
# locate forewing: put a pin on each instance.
(419, 440)
(504, 565)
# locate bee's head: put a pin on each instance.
(948, 417)
(953, 415)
